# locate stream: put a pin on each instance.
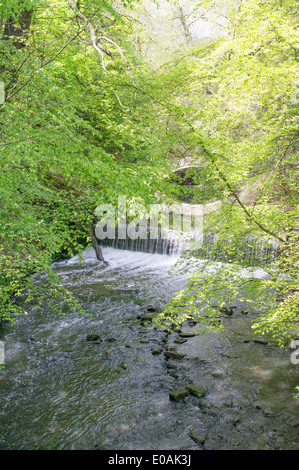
(60, 391)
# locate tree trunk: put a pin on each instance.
(185, 27)
(94, 243)
(18, 32)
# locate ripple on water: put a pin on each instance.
(59, 391)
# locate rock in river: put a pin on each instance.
(226, 311)
(180, 340)
(157, 351)
(93, 337)
(146, 318)
(187, 335)
(173, 355)
(196, 390)
(198, 438)
(178, 395)
(154, 308)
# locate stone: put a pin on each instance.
(260, 341)
(170, 347)
(226, 311)
(199, 439)
(173, 374)
(196, 390)
(177, 330)
(187, 335)
(110, 340)
(153, 308)
(157, 351)
(217, 374)
(180, 340)
(93, 337)
(146, 318)
(173, 355)
(178, 395)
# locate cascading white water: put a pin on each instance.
(250, 249)
(171, 243)
(164, 243)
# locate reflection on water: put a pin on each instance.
(59, 391)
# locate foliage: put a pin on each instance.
(69, 140)
(88, 118)
(241, 89)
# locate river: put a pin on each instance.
(60, 391)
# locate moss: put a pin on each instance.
(196, 390)
(178, 395)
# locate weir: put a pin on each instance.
(250, 249)
(160, 242)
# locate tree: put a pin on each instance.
(76, 130)
(245, 130)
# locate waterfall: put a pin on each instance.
(161, 242)
(249, 249)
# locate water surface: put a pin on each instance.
(59, 391)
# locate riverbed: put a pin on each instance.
(61, 391)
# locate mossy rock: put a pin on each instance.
(178, 395)
(199, 439)
(173, 355)
(227, 311)
(93, 337)
(154, 308)
(110, 340)
(196, 390)
(157, 351)
(147, 318)
(180, 340)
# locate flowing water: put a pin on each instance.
(60, 391)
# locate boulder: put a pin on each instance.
(154, 308)
(173, 355)
(110, 340)
(187, 335)
(93, 337)
(146, 318)
(180, 340)
(157, 351)
(196, 390)
(199, 439)
(178, 395)
(226, 311)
